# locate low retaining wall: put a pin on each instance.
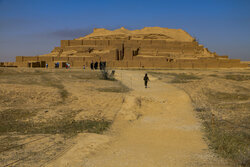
(79, 62)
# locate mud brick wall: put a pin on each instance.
(120, 64)
(128, 54)
(30, 58)
(19, 58)
(22, 64)
(158, 44)
(45, 58)
(104, 43)
(78, 64)
(147, 64)
(75, 59)
(64, 43)
(185, 65)
(152, 54)
(75, 42)
(89, 59)
(108, 56)
(65, 59)
(89, 42)
(132, 44)
(51, 64)
(134, 63)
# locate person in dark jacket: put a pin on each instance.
(101, 65)
(146, 79)
(96, 65)
(92, 65)
(104, 65)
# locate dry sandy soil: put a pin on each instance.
(74, 118)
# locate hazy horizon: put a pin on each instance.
(30, 28)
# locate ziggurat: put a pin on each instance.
(150, 47)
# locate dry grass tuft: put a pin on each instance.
(184, 78)
(176, 77)
(238, 77)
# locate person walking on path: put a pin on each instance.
(146, 79)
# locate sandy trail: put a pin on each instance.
(155, 127)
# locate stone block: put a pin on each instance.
(158, 43)
(61, 59)
(19, 58)
(78, 64)
(64, 43)
(132, 44)
(51, 64)
(45, 58)
(89, 58)
(128, 54)
(89, 42)
(213, 64)
(222, 57)
(108, 57)
(186, 65)
(146, 42)
(102, 43)
(75, 42)
(123, 64)
(133, 63)
(75, 59)
(30, 58)
(9, 64)
(22, 64)
(234, 60)
(174, 65)
(147, 64)
(224, 64)
(159, 64)
(199, 65)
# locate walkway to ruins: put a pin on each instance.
(156, 127)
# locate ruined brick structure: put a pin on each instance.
(151, 47)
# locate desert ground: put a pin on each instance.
(76, 117)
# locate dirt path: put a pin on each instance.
(155, 127)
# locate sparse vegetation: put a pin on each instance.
(18, 121)
(226, 122)
(107, 76)
(230, 140)
(223, 96)
(118, 89)
(37, 103)
(228, 136)
(138, 101)
(114, 89)
(176, 77)
(225, 114)
(238, 77)
(213, 75)
(184, 78)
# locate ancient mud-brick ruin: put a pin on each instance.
(150, 47)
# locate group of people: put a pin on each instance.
(102, 66)
(94, 66)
